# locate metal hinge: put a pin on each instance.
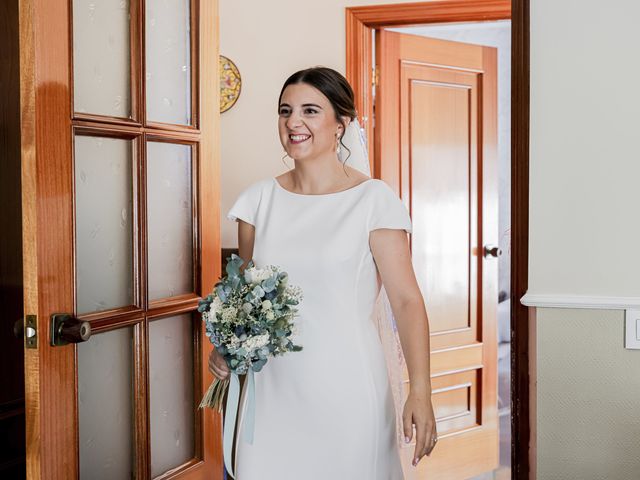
(375, 76)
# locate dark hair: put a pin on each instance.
(332, 85)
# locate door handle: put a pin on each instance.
(18, 328)
(492, 251)
(65, 329)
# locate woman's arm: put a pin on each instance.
(246, 238)
(390, 250)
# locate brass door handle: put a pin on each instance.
(66, 329)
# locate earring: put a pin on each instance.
(338, 142)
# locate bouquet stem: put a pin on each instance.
(214, 395)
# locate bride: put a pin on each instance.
(328, 410)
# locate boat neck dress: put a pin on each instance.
(325, 412)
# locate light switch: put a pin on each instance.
(632, 329)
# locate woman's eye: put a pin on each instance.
(310, 111)
(284, 111)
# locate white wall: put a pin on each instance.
(268, 41)
(585, 160)
(585, 235)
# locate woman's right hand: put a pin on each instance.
(218, 365)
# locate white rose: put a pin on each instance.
(266, 274)
(249, 275)
(266, 305)
(256, 342)
(270, 315)
(247, 307)
(216, 305)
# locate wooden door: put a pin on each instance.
(435, 143)
(119, 133)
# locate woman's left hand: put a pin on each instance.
(418, 411)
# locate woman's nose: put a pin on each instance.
(293, 121)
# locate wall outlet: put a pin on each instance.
(632, 329)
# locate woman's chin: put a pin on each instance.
(299, 154)
(305, 154)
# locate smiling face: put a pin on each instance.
(307, 122)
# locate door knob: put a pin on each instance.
(492, 251)
(67, 329)
(18, 328)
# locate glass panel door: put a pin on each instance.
(136, 243)
(119, 194)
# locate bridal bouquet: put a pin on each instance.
(248, 317)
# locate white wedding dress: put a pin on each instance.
(327, 411)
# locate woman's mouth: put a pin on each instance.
(296, 139)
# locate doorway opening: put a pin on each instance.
(504, 26)
(496, 34)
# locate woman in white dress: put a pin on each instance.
(327, 411)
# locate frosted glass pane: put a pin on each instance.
(105, 406)
(169, 219)
(104, 225)
(171, 392)
(101, 58)
(168, 59)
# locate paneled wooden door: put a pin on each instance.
(436, 141)
(119, 132)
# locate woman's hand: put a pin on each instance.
(218, 365)
(418, 410)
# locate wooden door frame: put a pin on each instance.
(360, 23)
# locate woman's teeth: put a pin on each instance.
(299, 138)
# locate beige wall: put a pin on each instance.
(584, 236)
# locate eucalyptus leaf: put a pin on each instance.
(257, 366)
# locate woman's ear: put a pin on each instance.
(345, 121)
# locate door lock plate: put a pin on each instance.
(31, 331)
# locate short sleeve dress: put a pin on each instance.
(325, 412)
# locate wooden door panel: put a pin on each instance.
(55, 408)
(441, 112)
(456, 358)
(456, 401)
(440, 157)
